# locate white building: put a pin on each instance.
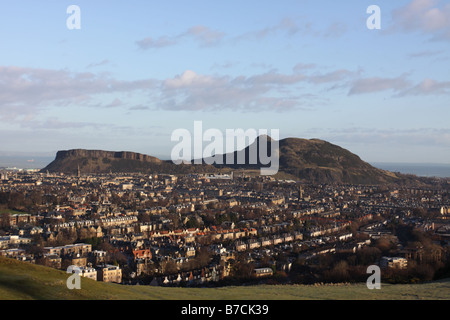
(393, 262)
(86, 272)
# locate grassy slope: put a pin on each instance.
(20, 280)
(10, 211)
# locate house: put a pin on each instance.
(288, 237)
(18, 254)
(109, 273)
(190, 252)
(13, 241)
(98, 257)
(393, 262)
(142, 253)
(344, 237)
(266, 242)
(20, 219)
(262, 272)
(298, 235)
(277, 239)
(240, 246)
(253, 244)
(86, 272)
(53, 260)
(77, 260)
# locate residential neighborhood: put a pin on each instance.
(207, 229)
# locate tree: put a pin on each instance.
(339, 273)
(144, 217)
(368, 255)
(118, 258)
(192, 223)
(384, 244)
(36, 198)
(5, 220)
(243, 270)
(35, 250)
(169, 267)
(203, 256)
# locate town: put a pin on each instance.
(223, 229)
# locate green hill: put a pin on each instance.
(25, 281)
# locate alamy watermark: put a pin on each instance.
(73, 22)
(224, 148)
(374, 21)
(374, 281)
(74, 281)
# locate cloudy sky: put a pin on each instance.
(138, 70)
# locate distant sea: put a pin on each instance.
(25, 162)
(419, 169)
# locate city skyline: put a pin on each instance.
(135, 73)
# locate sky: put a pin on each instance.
(135, 71)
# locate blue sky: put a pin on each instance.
(138, 70)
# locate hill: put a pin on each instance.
(25, 281)
(320, 161)
(308, 161)
(99, 161)
(314, 161)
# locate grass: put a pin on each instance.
(11, 211)
(25, 281)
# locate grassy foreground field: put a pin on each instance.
(19, 280)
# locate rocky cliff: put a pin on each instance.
(82, 153)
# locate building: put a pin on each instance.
(263, 272)
(109, 273)
(88, 272)
(72, 249)
(13, 241)
(393, 262)
(53, 260)
(98, 257)
(21, 219)
(77, 260)
(127, 186)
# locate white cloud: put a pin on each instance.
(425, 54)
(334, 30)
(192, 91)
(98, 64)
(203, 35)
(25, 91)
(266, 91)
(377, 84)
(292, 27)
(190, 79)
(430, 17)
(150, 43)
(429, 86)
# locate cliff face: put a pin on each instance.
(82, 153)
(99, 161)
